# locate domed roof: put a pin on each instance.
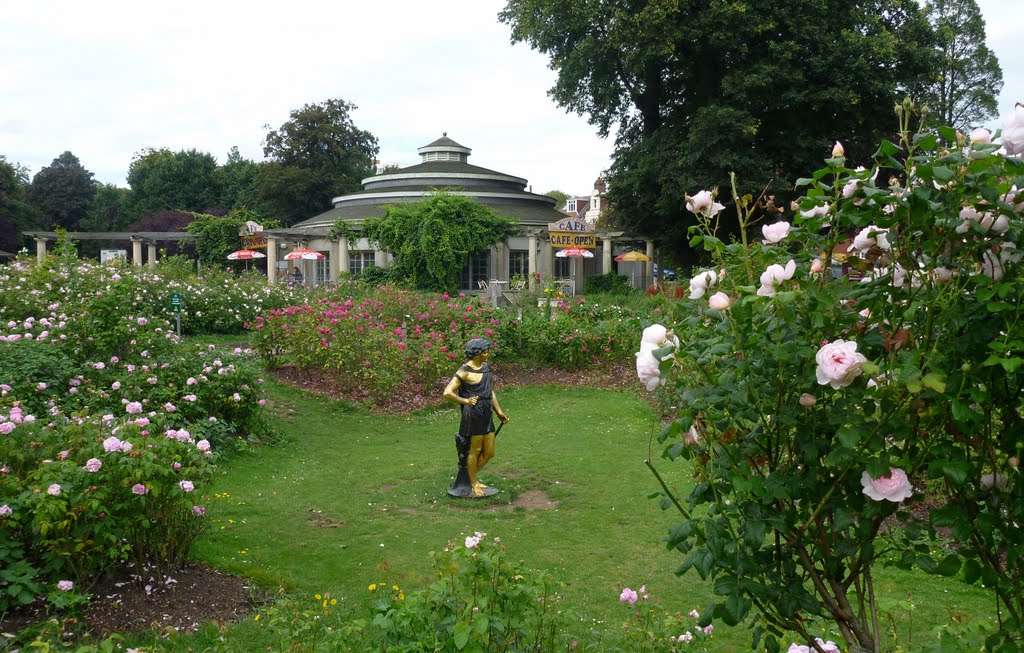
(443, 166)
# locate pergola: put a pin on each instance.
(137, 238)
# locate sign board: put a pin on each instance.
(571, 225)
(254, 241)
(561, 239)
(113, 255)
(176, 302)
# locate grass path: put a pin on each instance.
(350, 491)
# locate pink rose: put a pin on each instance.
(186, 486)
(139, 488)
(817, 266)
(774, 275)
(895, 487)
(1013, 131)
(870, 236)
(837, 150)
(838, 363)
(199, 511)
(774, 233)
(93, 465)
(719, 301)
(808, 400)
(628, 596)
(6, 510)
(53, 490)
(65, 585)
(981, 135)
(133, 408)
(703, 203)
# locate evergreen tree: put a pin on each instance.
(968, 78)
(63, 192)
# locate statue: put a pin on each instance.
(471, 387)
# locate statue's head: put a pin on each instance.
(477, 346)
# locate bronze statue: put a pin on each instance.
(471, 388)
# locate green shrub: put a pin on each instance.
(611, 283)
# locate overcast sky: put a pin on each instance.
(107, 79)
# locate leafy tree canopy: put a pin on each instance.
(316, 155)
(16, 214)
(432, 240)
(236, 180)
(968, 78)
(560, 198)
(182, 181)
(63, 192)
(214, 237)
(701, 89)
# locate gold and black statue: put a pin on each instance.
(471, 388)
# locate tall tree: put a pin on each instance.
(110, 209)
(236, 180)
(16, 214)
(968, 78)
(559, 196)
(432, 240)
(316, 155)
(701, 88)
(63, 192)
(180, 181)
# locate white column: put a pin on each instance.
(606, 255)
(333, 262)
(151, 255)
(342, 255)
(40, 250)
(380, 258)
(532, 256)
(271, 260)
(137, 252)
(549, 259)
(649, 265)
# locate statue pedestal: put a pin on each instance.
(466, 493)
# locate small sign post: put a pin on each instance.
(176, 307)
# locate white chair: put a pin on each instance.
(482, 284)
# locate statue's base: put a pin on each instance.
(467, 493)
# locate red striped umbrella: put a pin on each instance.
(245, 255)
(303, 254)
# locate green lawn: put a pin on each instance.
(348, 491)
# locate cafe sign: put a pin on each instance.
(572, 232)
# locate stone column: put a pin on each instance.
(532, 257)
(271, 260)
(380, 258)
(137, 252)
(342, 255)
(333, 262)
(549, 259)
(606, 255)
(151, 255)
(40, 250)
(649, 265)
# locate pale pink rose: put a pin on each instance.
(998, 481)
(710, 628)
(817, 212)
(199, 511)
(236, 397)
(828, 647)
(472, 541)
(703, 203)
(942, 275)
(807, 400)
(838, 363)
(869, 236)
(817, 266)
(111, 444)
(981, 135)
(6, 510)
(774, 275)
(139, 488)
(1013, 131)
(837, 150)
(694, 614)
(657, 336)
(186, 486)
(125, 447)
(719, 301)
(702, 282)
(93, 465)
(895, 487)
(628, 596)
(53, 490)
(203, 445)
(647, 369)
(7, 427)
(142, 321)
(170, 408)
(133, 408)
(685, 637)
(799, 648)
(65, 585)
(774, 233)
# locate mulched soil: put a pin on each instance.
(122, 601)
(199, 593)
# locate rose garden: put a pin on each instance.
(824, 449)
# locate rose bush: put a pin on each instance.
(870, 354)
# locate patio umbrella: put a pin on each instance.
(574, 252)
(303, 254)
(245, 255)
(632, 256)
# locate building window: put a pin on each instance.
(563, 268)
(476, 270)
(359, 261)
(570, 205)
(518, 262)
(322, 270)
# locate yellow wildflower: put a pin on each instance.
(372, 587)
(317, 597)
(334, 601)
